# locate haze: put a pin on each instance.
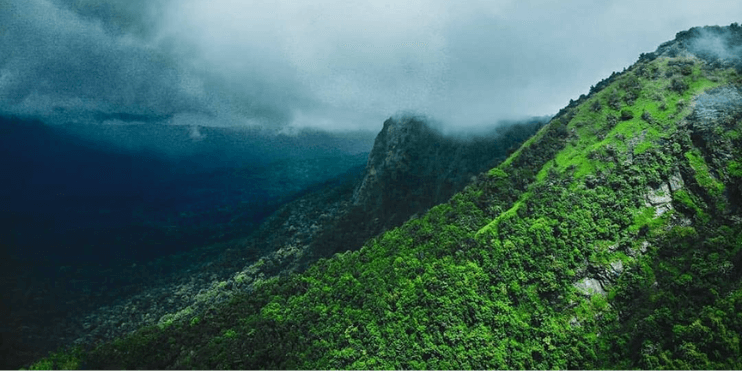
(331, 65)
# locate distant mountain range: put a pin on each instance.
(87, 186)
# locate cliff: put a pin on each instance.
(412, 167)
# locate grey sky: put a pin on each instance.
(333, 64)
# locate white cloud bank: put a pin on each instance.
(333, 65)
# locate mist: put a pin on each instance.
(718, 45)
(328, 65)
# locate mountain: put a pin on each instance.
(610, 239)
(318, 222)
(411, 168)
(201, 214)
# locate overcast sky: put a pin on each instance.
(332, 64)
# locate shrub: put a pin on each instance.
(611, 120)
(626, 115)
(596, 106)
(614, 101)
(678, 85)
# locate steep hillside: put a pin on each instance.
(611, 239)
(102, 303)
(411, 168)
(76, 215)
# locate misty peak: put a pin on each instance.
(413, 165)
(718, 46)
(397, 130)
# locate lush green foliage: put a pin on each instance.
(496, 277)
(68, 360)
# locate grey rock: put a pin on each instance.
(717, 103)
(616, 268)
(590, 286)
(636, 252)
(574, 322)
(676, 182)
(659, 196)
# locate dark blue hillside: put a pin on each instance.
(52, 183)
(87, 211)
(66, 198)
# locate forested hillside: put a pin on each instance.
(101, 304)
(610, 239)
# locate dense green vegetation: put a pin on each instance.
(611, 239)
(434, 169)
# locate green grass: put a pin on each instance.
(587, 123)
(646, 217)
(644, 147)
(497, 173)
(732, 135)
(491, 227)
(702, 174)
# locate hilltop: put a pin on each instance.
(610, 239)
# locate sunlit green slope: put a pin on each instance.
(611, 239)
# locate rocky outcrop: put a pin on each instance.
(713, 130)
(413, 167)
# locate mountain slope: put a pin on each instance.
(611, 239)
(318, 222)
(411, 168)
(75, 215)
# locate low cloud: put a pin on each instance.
(331, 65)
(717, 44)
(60, 66)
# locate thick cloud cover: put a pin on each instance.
(332, 64)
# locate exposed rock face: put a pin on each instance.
(720, 104)
(395, 153)
(413, 167)
(659, 198)
(716, 112)
(590, 286)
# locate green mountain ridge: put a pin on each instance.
(318, 222)
(610, 239)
